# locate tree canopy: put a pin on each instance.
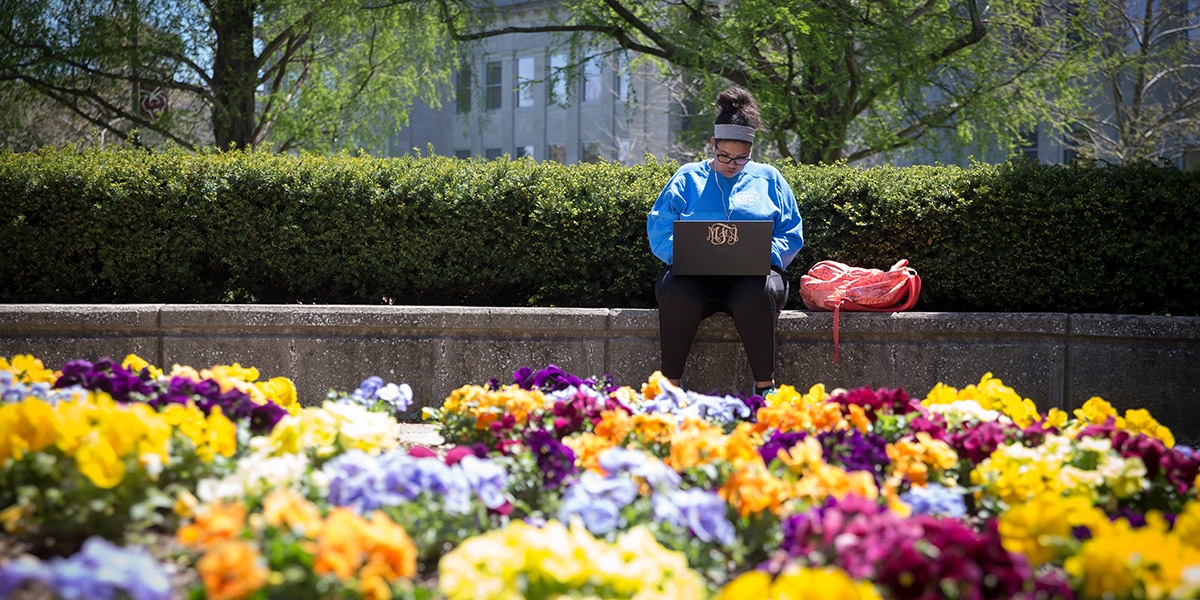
(840, 79)
(1144, 93)
(297, 74)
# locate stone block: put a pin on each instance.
(1056, 360)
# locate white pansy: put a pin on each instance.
(256, 475)
(963, 411)
(1094, 444)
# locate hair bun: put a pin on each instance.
(735, 99)
(736, 106)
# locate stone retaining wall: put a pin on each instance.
(1057, 360)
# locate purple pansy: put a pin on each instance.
(554, 459)
(701, 512)
(101, 570)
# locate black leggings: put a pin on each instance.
(754, 303)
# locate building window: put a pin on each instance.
(557, 76)
(462, 154)
(593, 80)
(524, 152)
(1029, 144)
(622, 81)
(625, 152)
(557, 153)
(1071, 143)
(495, 87)
(591, 152)
(492, 153)
(525, 78)
(1193, 32)
(1191, 159)
(462, 91)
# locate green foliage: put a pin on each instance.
(1019, 236)
(125, 226)
(1158, 58)
(834, 80)
(321, 75)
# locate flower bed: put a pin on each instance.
(126, 479)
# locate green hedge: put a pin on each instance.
(125, 226)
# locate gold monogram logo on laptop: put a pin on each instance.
(722, 233)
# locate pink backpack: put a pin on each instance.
(831, 285)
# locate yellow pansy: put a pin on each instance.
(28, 426)
(14, 518)
(565, 561)
(992, 394)
(798, 582)
(135, 364)
(281, 391)
(122, 428)
(188, 419)
(185, 504)
(29, 369)
(1014, 475)
(1139, 421)
(1041, 527)
(1056, 418)
(753, 585)
(288, 436)
(1147, 562)
(787, 395)
(941, 394)
(1187, 523)
(75, 420)
(1095, 411)
(99, 462)
(220, 436)
(235, 371)
(210, 435)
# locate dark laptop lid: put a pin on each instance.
(722, 247)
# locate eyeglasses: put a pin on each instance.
(726, 159)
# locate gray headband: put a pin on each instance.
(734, 132)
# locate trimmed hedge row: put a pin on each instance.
(125, 226)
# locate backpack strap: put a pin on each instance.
(914, 291)
(837, 308)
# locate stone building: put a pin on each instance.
(516, 99)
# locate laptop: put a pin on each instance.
(723, 247)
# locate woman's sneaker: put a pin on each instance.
(764, 392)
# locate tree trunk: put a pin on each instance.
(235, 75)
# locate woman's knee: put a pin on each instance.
(752, 295)
(674, 293)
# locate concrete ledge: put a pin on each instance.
(1057, 360)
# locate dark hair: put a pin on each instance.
(735, 106)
